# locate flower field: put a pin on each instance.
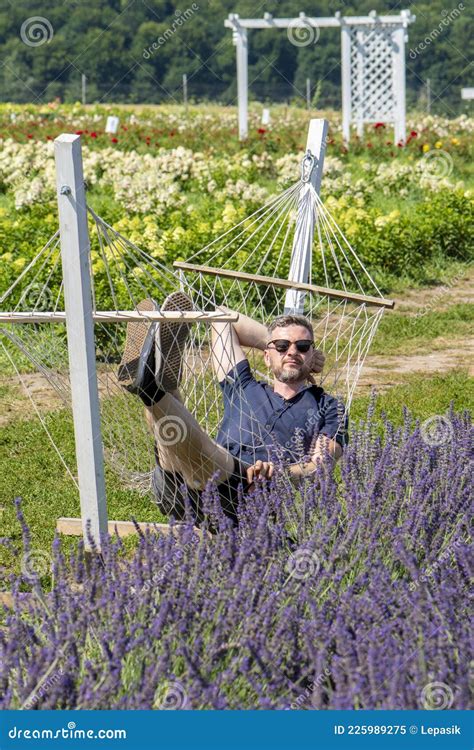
(351, 592)
(360, 601)
(174, 182)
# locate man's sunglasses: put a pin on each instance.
(282, 345)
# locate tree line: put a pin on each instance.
(137, 51)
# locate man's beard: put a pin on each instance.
(292, 373)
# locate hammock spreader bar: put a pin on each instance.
(119, 316)
(287, 284)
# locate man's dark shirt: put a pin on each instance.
(259, 424)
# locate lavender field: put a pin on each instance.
(352, 593)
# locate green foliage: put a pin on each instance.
(109, 41)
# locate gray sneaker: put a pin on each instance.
(170, 342)
(137, 367)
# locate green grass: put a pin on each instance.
(404, 334)
(422, 396)
(31, 469)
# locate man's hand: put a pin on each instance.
(318, 361)
(260, 470)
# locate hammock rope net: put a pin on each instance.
(246, 270)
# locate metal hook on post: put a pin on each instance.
(307, 165)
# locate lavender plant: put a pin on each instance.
(351, 592)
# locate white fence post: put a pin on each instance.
(185, 93)
(239, 36)
(75, 252)
(399, 84)
(346, 81)
(300, 264)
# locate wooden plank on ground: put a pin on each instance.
(73, 527)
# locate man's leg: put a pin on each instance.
(183, 446)
(151, 367)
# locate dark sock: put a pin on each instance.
(149, 392)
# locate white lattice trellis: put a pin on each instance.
(373, 74)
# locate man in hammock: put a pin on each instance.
(260, 421)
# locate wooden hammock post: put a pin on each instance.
(75, 252)
(300, 265)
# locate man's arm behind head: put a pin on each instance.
(229, 338)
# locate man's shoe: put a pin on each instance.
(170, 340)
(136, 371)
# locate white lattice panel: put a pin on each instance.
(372, 84)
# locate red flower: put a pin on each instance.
(79, 132)
(379, 125)
(413, 134)
(262, 131)
(369, 145)
(388, 143)
(400, 144)
(29, 135)
(124, 128)
(114, 140)
(93, 135)
(49, 137)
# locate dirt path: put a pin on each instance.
(384, 372)
(460, 289)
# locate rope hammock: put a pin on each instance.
(246, 269)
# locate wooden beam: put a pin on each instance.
(269, 22)
(73, 527)
(122, 316)
(285, 284)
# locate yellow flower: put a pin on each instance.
(438, 144)
(425, 148)
(455, 141)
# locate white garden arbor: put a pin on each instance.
(373, 64)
